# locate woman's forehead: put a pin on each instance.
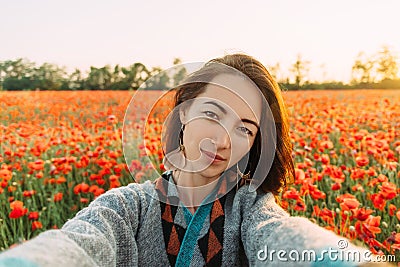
(238, 94)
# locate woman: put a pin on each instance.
(228, 155)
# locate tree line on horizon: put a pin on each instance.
(379, 70)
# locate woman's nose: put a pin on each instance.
(222, 138)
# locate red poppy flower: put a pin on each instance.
(162, 167)
(36, 225)
(392, 209)
(138, 176)
(11, 188)
(317, 194)
(61, 180)
(325, 159)
(16, 204)
(28, 193)
(113, 178)
(349, 204)
(114, 184)
(84, 200)
(371, 225)
(135, 165)
(300, 206)
(362, 161)
(39, 175)
(4, 184)
(291, 194)
(100, 182)
(117, 169)
(371, 171)
(341, 198)
(382, 178)
(17, 213)
(362, 214)
(33, 215)
(336, 186)
(316, 211)
(94, 176)
(335, 173)
(326, 144)
(113, 155)
(300, 175)
(388, 190)
(327, 215)
(357, 173)
(5, 174)
(37, 165)
(81, 188)
(17, 209)
(379, 201)
(58, 197)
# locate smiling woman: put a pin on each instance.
(228, 156)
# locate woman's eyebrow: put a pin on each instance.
(217, 105)
(252, 122)
(225, 112)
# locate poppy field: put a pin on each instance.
(61, 150)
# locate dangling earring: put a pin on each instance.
(245, 177)
(175, 159)
(181, 146)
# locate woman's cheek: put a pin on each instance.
(239, 150)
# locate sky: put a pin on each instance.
(80, 34)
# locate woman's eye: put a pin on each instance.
(245, 130)
(211, 115)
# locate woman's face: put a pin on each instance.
(221, 124)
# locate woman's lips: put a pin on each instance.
(214, 157)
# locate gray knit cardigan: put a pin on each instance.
(123, 228)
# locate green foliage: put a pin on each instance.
(17, 83)
(300, 70)
(378, 71)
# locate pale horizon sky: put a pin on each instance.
(80, 34)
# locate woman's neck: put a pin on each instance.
(193, 188)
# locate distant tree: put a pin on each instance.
(117, 79)
(136, 74)
(275, 70)
(177, 61)
(16, 74)
(362, 70)
(324, 73)
(16, 84)
(98, 78)
(75, 81)
(180, 72)
(300, 70)
(387, 64)
(159, 79)
(17, 68)
(48, 77)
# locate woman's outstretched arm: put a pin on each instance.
(272, 237)
(103, 234)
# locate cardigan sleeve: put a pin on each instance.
(103, 234)
(272, 237)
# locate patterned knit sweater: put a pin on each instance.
(130, 226)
